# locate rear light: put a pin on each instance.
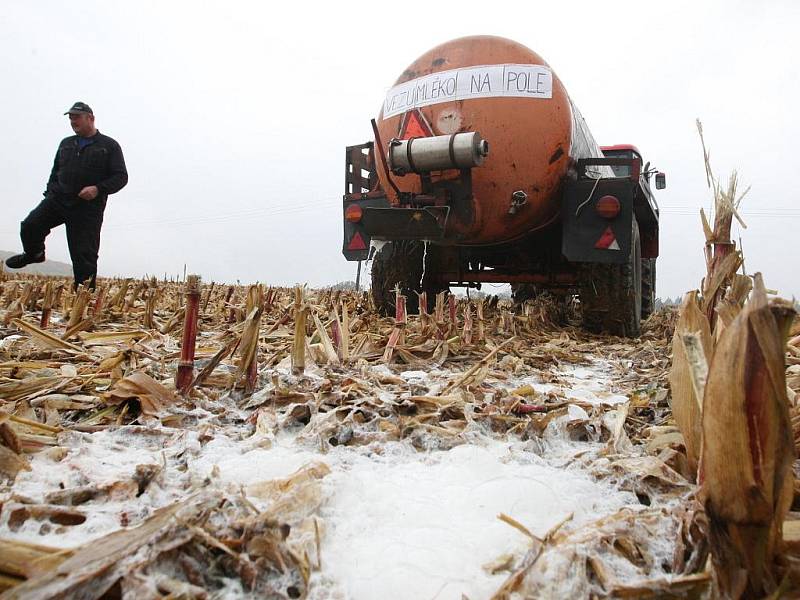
(353, 213)
(607, 207)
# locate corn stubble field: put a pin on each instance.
(189, 440)
(321, 367)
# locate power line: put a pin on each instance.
(216, 218)
(267, 211)
(743, 214)
(747, 208)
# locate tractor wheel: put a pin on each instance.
(611, 295)
(521, 292)
(648, 287)
(399, 264)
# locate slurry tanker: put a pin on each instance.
(482, 170)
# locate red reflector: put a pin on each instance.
(607, 241)
(357, 243)
(353, 213)
(414, 126)
(607, 207)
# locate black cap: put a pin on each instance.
(79, 108)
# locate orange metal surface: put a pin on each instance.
(532, 142)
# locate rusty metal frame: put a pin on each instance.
(360, 159)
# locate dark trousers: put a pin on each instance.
(83, 221)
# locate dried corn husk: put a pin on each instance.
(153, 397)
(686, 403)
(748, 447)
(248, 348)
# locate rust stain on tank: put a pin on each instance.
(556, 155)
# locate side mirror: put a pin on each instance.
(661, 181)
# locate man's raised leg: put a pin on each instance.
(33, 231)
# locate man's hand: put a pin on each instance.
(88, 193)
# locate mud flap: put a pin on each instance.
(355, 245)
(588, 237)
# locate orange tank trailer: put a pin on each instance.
(481, 169)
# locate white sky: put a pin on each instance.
(233, 117)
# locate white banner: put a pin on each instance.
(487, 81)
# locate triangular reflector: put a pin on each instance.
(357, 242)
(607, 241)
(414, 126)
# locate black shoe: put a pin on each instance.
(20, 260)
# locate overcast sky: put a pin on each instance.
(234, 116)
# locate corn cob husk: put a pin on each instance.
(686, 403)
(48, 299)
(748, 449)
(119, 298)
(729, 306)
(15, 311)
(453, 313)
(149, 309)
(424, 315)
(331, 355)
(209, 291)
(396, 337)
(467, 335)
(173, 322)
(722, 258)
(33, 298)
(345, 332)
(438, 316)
(299, 341)
(480, 319)
(153, 397)
(10, 292)
(247, 366)
(43, 337)
(507, 323)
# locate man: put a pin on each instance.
(88, 167)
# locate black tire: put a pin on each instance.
(400, 264)
(611, 295)
(648, 287)
(521, 292)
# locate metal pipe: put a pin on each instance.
(437, 153)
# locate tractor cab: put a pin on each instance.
(631, 151)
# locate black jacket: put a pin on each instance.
(99, 163)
